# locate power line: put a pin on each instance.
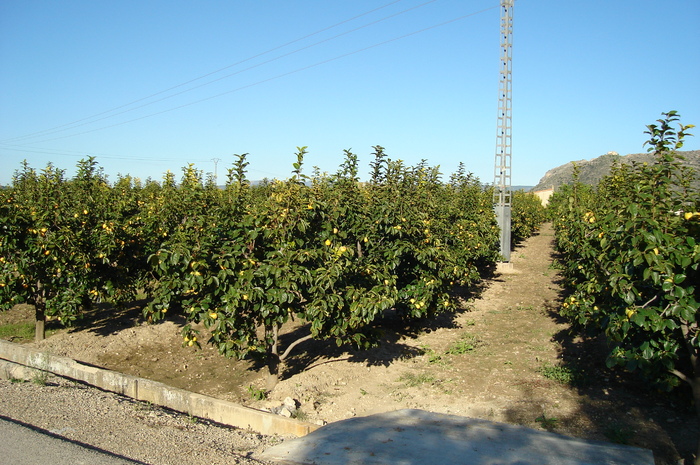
(298, 70)
(101, 156)
(86, 120)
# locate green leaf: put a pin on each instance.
(679, 292)
(687, 313)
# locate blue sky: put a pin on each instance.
(149, 86)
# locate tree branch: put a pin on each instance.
(681, 375)
(648, 302)
(294, 344)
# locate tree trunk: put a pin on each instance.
(40, 313)
(273, 359)
(273, 376)
(695, 384)
(40, 323)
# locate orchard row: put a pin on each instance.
(327, 250)
(630, 252)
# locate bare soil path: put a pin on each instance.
(505, 356)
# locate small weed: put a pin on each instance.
(618, 434)
(363, 392)
(433, 357)
(256, 393)
(548, 423)
(192, 419)
(561, 374)
(470, 323)
(41, 375)
(143, 406)
(467, 343)
(300, 415)
(413, 380)
(40, 378)
(507, 362)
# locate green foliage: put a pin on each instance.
(548, 423)
(17, 331)
(466, 344)
(67, 243)
(630, 251)
(560, 373)
(327, 251)
(413, 380)
(619, 434)
(527, 215)
(257, 393)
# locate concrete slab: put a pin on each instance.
(417, 437)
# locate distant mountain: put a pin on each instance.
(592, 171)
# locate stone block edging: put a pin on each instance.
(198, 405)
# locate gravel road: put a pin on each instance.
(125, 427)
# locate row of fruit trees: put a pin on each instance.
(630, 251)
(330, 252)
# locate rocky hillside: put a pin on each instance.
(592, 171)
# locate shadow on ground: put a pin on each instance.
(662, 421)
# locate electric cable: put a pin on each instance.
(85, 120)
(304, 68)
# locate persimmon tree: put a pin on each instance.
(632, 252)
(329, 252)
(527, 215)
(63, 245)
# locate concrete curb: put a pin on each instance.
(23, 362)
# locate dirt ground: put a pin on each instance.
(502, 357)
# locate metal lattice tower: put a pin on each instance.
(502, 171)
